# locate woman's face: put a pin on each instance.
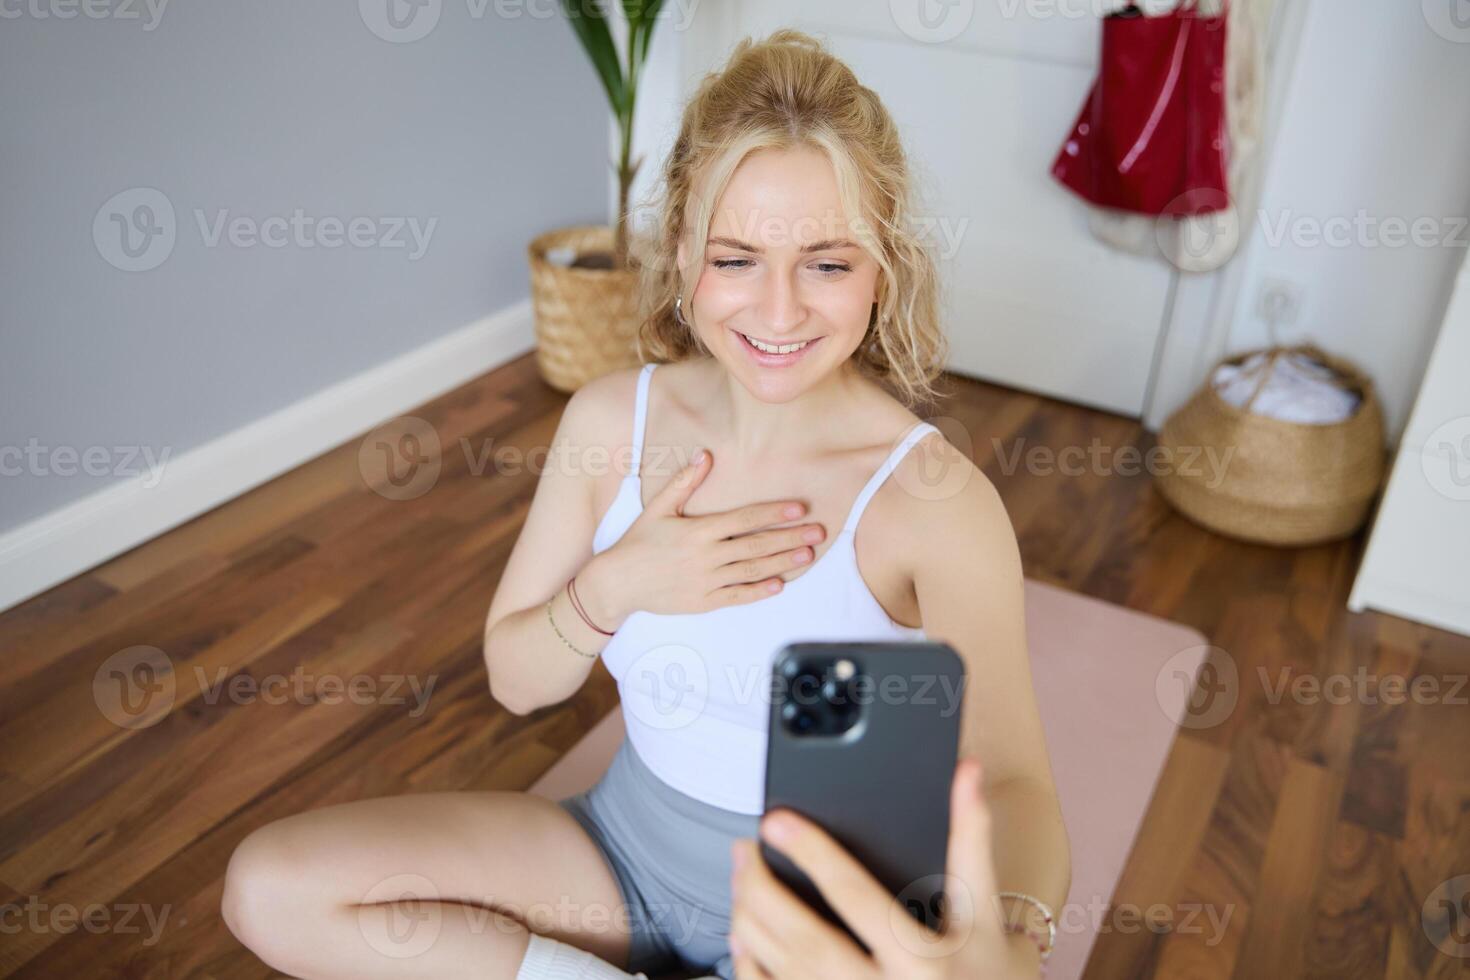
(781, 269)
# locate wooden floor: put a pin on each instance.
(1323, 828)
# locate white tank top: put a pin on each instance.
(695, 687)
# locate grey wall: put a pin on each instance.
(494, 125)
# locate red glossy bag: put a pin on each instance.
(1153, 136)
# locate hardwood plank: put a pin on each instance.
(1296, 852)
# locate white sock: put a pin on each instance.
(551, 959)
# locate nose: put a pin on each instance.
(781, 308)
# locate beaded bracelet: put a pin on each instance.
(1044, 943)
(590, 656)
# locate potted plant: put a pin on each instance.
(584, 277)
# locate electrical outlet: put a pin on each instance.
(1279, 302)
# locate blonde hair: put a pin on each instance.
(781, 93)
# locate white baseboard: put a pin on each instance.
(75, 537)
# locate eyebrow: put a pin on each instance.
(826, 245)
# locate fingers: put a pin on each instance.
(737, 595)
(766, 543)
(751, 517)
(776, 929)
(761, 559)
(746, 968)
(752, 947)
(867, 907)
(971, 872)
(759, 569)
(671, 498)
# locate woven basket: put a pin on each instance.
(586, 319)
(1287, 483)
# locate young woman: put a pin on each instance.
(770, 483)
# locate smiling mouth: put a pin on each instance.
(766, 347)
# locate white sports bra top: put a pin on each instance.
(695, 687)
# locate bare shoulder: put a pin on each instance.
(599, 415)
(937, 497)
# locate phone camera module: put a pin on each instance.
(820, 698)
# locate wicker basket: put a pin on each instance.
(1286, 483)
(586, 319)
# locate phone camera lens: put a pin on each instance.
(797, 718)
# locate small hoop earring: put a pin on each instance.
(679, 310)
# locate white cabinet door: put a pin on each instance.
(1417, 563)
(1031, 299)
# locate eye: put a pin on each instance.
(730, 263)
(833, 268)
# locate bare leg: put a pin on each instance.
(425, 885)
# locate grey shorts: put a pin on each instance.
(670, 854)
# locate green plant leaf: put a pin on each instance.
(590, 26)
(646, 14)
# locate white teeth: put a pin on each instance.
(771, 349)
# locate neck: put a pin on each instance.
(758, 428)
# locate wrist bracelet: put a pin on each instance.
(577, 605)
(590, 656)
(1044, 940)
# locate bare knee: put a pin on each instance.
(257, 897)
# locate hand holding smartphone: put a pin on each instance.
(864, 738)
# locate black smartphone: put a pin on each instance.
(864, 738)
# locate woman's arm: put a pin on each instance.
(966, 570)
(528, 664)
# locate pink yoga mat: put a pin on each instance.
(1112, 685)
